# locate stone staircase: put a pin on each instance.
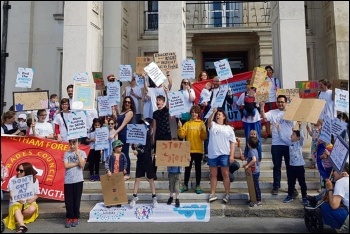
(239, 188)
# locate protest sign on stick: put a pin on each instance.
(31, 100)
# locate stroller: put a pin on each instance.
(313, 218)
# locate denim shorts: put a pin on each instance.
(222, 161)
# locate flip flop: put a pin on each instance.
(22, 229)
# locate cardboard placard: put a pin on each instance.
(113, 189)
(307, 89)
(173, 153)
(31, 100)
(251, 187)
(289, 93)
(304, 110)
(141, 63)
(98, 80)
(262, 92)
(258, 76)
(340, 84)
(166, 60)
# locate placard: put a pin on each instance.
(125, 72)
(176, 103)
(104, 106)
(76, 124)
(24, 77)
(101, 136)
(113, 189)
(81, 77)
(136, 134)
(155, 74)
(173, 153)
(166, 60)
(289, 93)
(326, 129)
(188, 69)
(340, 84)
(262, 92)
(31, 100)
(223, 69)
(304, 110)
(250, 183)
(339, 154)
(307, 89)
(84, 96)
(341, 100)
(338, 126)
(98, 80)
(141, 63)
(22, 188)
(258, 76)
(113, 92)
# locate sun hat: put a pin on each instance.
(117, 143)
(22, 116)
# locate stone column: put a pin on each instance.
(289, 42)
(265, 49)
(82, 45)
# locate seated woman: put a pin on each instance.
(23, 211)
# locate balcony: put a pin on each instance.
(227, 14)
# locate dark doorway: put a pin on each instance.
(238, 61)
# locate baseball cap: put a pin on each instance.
(22, 116)
(117, 143)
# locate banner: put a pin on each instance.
(237, 84)
(45, 155)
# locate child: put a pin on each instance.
(253, 164)
(253, 134)
(74, 163)
(54, 107)
(205, 93)
(250, 106)
(22, 123)
(314, 132)
(144, 166)
(94, 155)
(296, 168)
(112, 128)
(174, 184)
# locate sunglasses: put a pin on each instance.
(127, 102)
(185, 82)
(111, 123)
(19, 170)
(281, 102)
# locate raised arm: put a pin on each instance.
(211, 117)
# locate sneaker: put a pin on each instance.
(226, 199)
(177, 203)
(274, 191)
(212, 197)
(248, 202)
(75, 222)
(92, 178)
(288, 199)
(133, 201)
(198, 190)
(155, 202)
(184, 189)
(295, 194)
(252, 204)
(170, 200)
(205, 158)
(97, 177)
(259, 203)
(305, 202)
(68, 223)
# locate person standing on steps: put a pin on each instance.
(281, 132)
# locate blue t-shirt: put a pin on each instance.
(251, 154)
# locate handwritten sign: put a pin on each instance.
(155, 74)
(76, 124)
(173, 153)
(166, 60)
(136, 134)
(188, 69)
(113, 92)
(98, 80)
(326, 130)
(22, 188)
(176, 103)
(31, 100)
(82, 77)
(307, 89)
(339, 154)
(304, 110)
(125, 72)
(258, 76)
(341, 100)
(289, 93)
(104, 106)
(84, 96)
(262, 92)
(141, 63)
(140, 81)
(101, 136)
(338, 126)
(223, 69)
(24, 77)
(113, 189)
(219, 101)
(339, 84)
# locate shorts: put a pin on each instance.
(270, 106)
(143, 169)
(221, 160)
(174, 182)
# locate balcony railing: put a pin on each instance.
(227, 14)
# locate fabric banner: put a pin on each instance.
(187, 212)
(45, 155)
(237, 84)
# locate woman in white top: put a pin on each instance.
(9, 124)
(60, 121)
(221, 151)
(189, 97)
(42, 128)
(326, 94)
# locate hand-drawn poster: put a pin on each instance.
(31, 100)
(289, 93)
(223, 69)
(22, 188)
(258, 76)
(339, 154)
(98, 80)
(82, 77)
(141, 63)
(24, 77)
(84, 96)
(307, 89)
(173, 153)
(341, 100)
(125, 73)
(166, 60)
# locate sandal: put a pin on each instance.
(22, 229)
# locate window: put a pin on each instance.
(224, 14)
(151, 14)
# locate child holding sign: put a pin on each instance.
(22, 211)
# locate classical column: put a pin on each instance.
(289, 42)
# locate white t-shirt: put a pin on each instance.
(274, 85)
(36, 190)
(341, 188)
(328, 108)
(59, 121)
(204, 96)
(255, 119)
(187, 101)
(138, 92)
(42, 129)
(220, 137)
(285, 127)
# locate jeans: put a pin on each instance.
(257, 186)
(279, 151)
(334, 218)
